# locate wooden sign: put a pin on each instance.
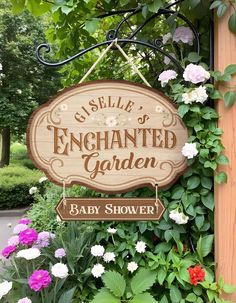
(112, 136)
(111, 209)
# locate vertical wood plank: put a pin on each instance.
(225, 195)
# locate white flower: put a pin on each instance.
(132, 266)
(196, 95)
(0, 66)
(19, 227)
(98, 270)
(59, 270)
(19, 91)
(109, 257)
(24, 300)
(111, 121)
(140, 247)
(5, 287)
(111, 230)
(179, 218)
(166, 76)
(167, 59)
(13, 241)
(183, 34)
(189, 150)
(166, 38)
(33, 190)
(29, 254)
(97, 250)
(42, 179)
(195, 73)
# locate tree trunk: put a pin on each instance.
(6, 139)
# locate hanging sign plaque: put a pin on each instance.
(111, 136)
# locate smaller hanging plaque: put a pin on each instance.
(110, 209)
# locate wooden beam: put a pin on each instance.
(225, 195)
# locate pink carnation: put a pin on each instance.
(7, 251)
(195, 73)
(183, 34)
(44, 238)
(28, 236)
(24, 300)
(60, 253)
(166, 76)
(39, 279)
(19, 227)
(25, 221)
(13, 241)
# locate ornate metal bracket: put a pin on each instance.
(156, 46)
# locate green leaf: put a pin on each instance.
(91, 25)
(230, 98)
(194, 57)
(229, 289)
(164, 300)
(117, 288)
(230, 69)
(67, 296)
(221, 9)
(154, 7)
(38, 8)
(208, 200)
(66, 9)
(204, 246)
(215, 4)
(143, 280)
(199, 220)
(177, 192)
(191, 297)
(18, 6)
(194, 3)
(232, 23)
(183, 109)
(193, 182)
(222, 159)
(221, 178)
(175, 294)
(161, 275)
(105, 297)
(142, 298)
(206, 182)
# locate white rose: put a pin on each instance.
(29, 254)
(97, 250)
(132, 266)
(98, 270)
(140, 247)
(178, 217)
(5, 287)
(189, 150)
(111, 230)
(108, 257)
(59, 270)
(42, 179)
(33, 190)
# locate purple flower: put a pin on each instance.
(44, 239)
(195, 73)
(39, 279)
(166, 76)
(25, 221)
(19, 227)
(60, 253)
(13, 241)
(7, 251)
(28, 236)
(183, 34)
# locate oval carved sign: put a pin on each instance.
(111, 136)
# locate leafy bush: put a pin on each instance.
(19, 156)
(15, 182)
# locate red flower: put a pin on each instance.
(196, 274)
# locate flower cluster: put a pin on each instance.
(178, 217)
(27, 244)
(196, 274)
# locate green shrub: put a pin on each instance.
(19, 155)
(15, 182)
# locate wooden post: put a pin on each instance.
(225, 195)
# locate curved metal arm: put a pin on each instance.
(155, 48)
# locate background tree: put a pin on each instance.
(24, 83)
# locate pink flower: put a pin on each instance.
(7, 251)
(44, 239)
(39, 279)
(28, 236)
(19, 227)
(24, 300)
(25, 221)
(195, 73)
(60, 253)
(183, 34)
(166, 76)
(13, 241)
